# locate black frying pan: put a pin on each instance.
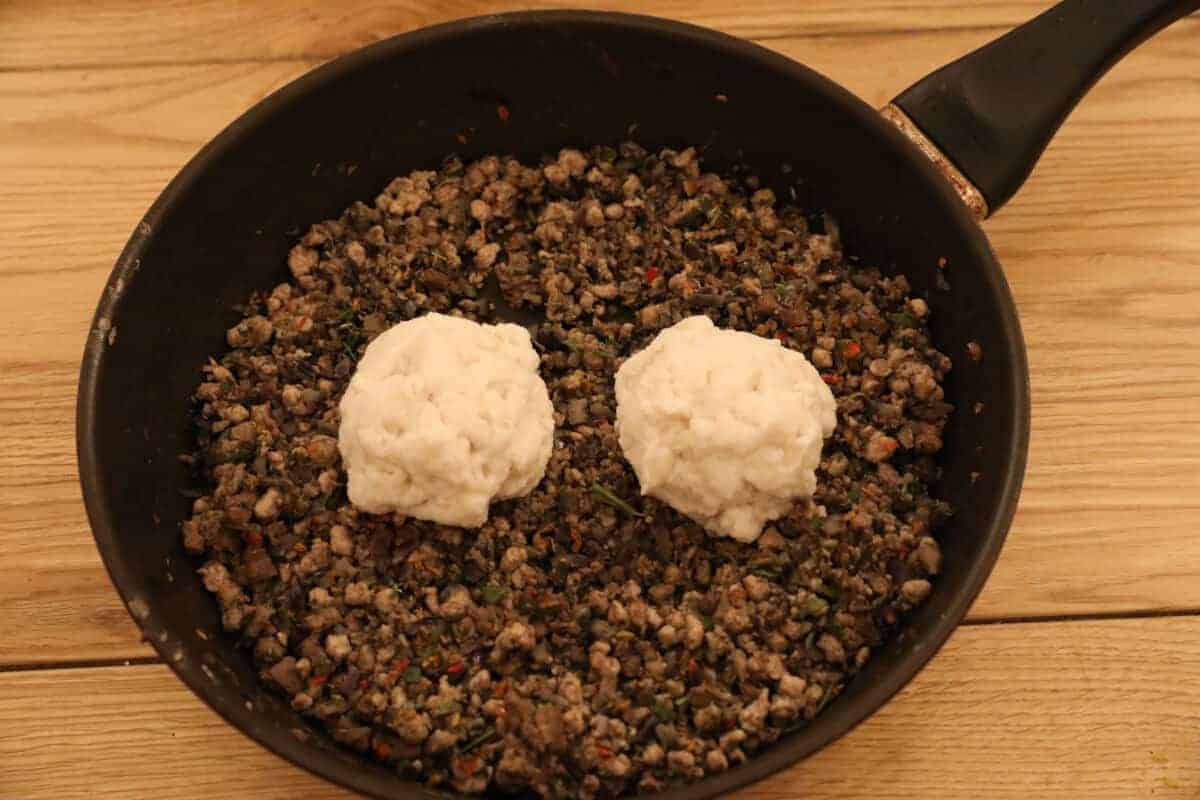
(223, 227)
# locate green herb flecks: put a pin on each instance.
(488, 734)
(493, 594)
(444, 708)
(605, 496)
(902, 319)
(827, 591)
(815, 607)
(826, 698)
(575, 347)
(664, 712)
(350, 331)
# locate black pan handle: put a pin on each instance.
(993, 111)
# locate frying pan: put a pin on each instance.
(909, 188)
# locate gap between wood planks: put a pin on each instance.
(1103, 262)
(139, 661)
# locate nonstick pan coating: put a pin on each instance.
(223, 227)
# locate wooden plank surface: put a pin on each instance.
(102, 101)
(1055, 711)
(1102, 249)
(37, 34)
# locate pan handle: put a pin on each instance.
(990, 114)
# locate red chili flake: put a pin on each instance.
(692, 665)
(501, 689)
(470, 766)
(383, 750)
(852, 350)
(253, 538)
(832, 380)
(576, 541)
(651, 274)
(456, 668)
(398, 667)
(781, 337)
(363, 684)
(903, 551)
(318, 680)
(502, 112)
(603, 751)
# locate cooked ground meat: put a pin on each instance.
(585, 641)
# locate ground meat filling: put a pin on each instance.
(585, 642)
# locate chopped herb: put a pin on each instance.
(763, 572)
(575, 347)
(825, 590)
(691, 214)
(605, 496)
(488, 734)
(855, 495)
(444, 708)
(825, 699)
(493, 594)
(681, 702)
(709, 624)
(664, 712)
(815, 607)
(412, 674)
(903, 319)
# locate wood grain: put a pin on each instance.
(59, 33)
(1102, 249)
(1057, 711)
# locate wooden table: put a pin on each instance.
(1077, 674)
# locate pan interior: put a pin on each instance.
(224, 227)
